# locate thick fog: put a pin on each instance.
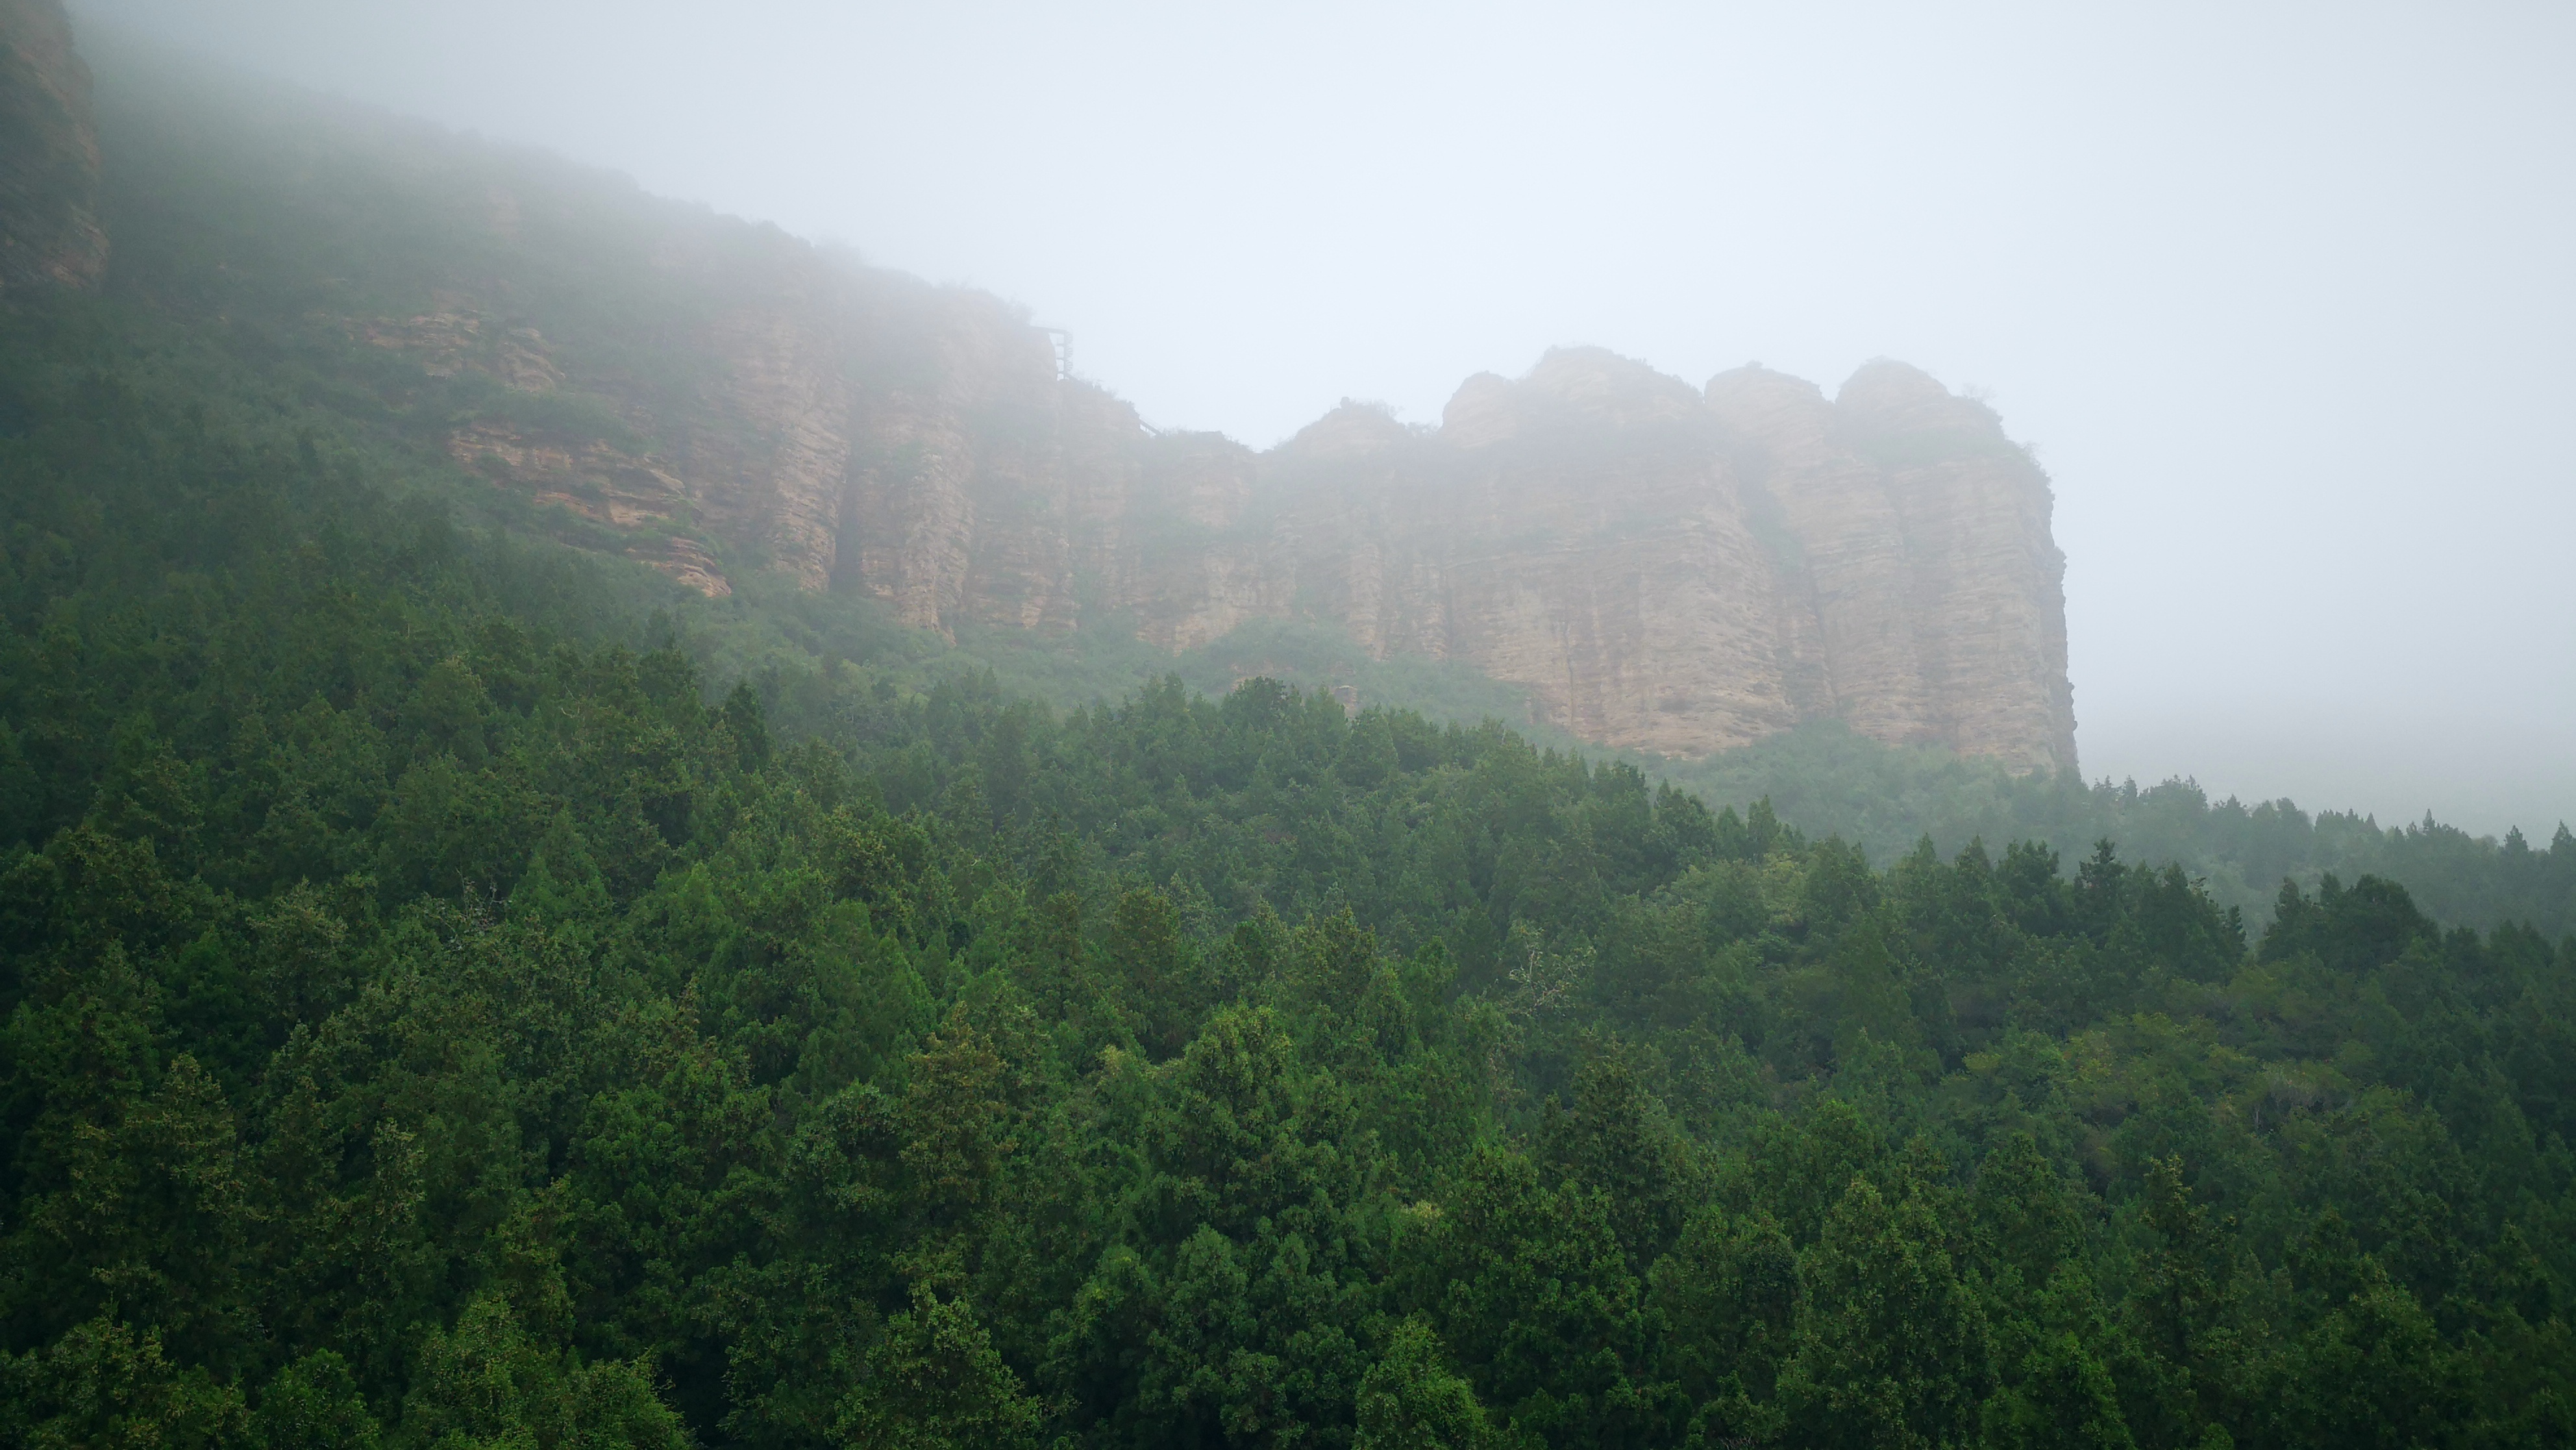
(2283, 295)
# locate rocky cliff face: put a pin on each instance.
(1661, 567)
(49, 232)
(1664, 568)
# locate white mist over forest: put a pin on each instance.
(2280, 297)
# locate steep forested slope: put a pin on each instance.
(333, 259)
(433, 1016)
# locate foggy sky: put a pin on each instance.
(2281, 294)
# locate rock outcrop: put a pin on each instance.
(49, 231)
(1663, 568)
(1921, 561)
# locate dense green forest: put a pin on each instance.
(434, 1016)
(460, 990)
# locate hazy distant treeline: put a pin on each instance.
(1831, 782)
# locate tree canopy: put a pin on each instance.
(436, 1014)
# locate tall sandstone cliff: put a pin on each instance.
(1663, 568)
(1660, 567)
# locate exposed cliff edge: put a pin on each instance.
(1664, 568)
(1661, 567)
(49, 231)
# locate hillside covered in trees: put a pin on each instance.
(436, 1014)
(462, 987)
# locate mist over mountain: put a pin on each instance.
(619, 830)
(2276, 300)
(1655, 570)
(1582, 551)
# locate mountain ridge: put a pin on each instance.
(1661, 568)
